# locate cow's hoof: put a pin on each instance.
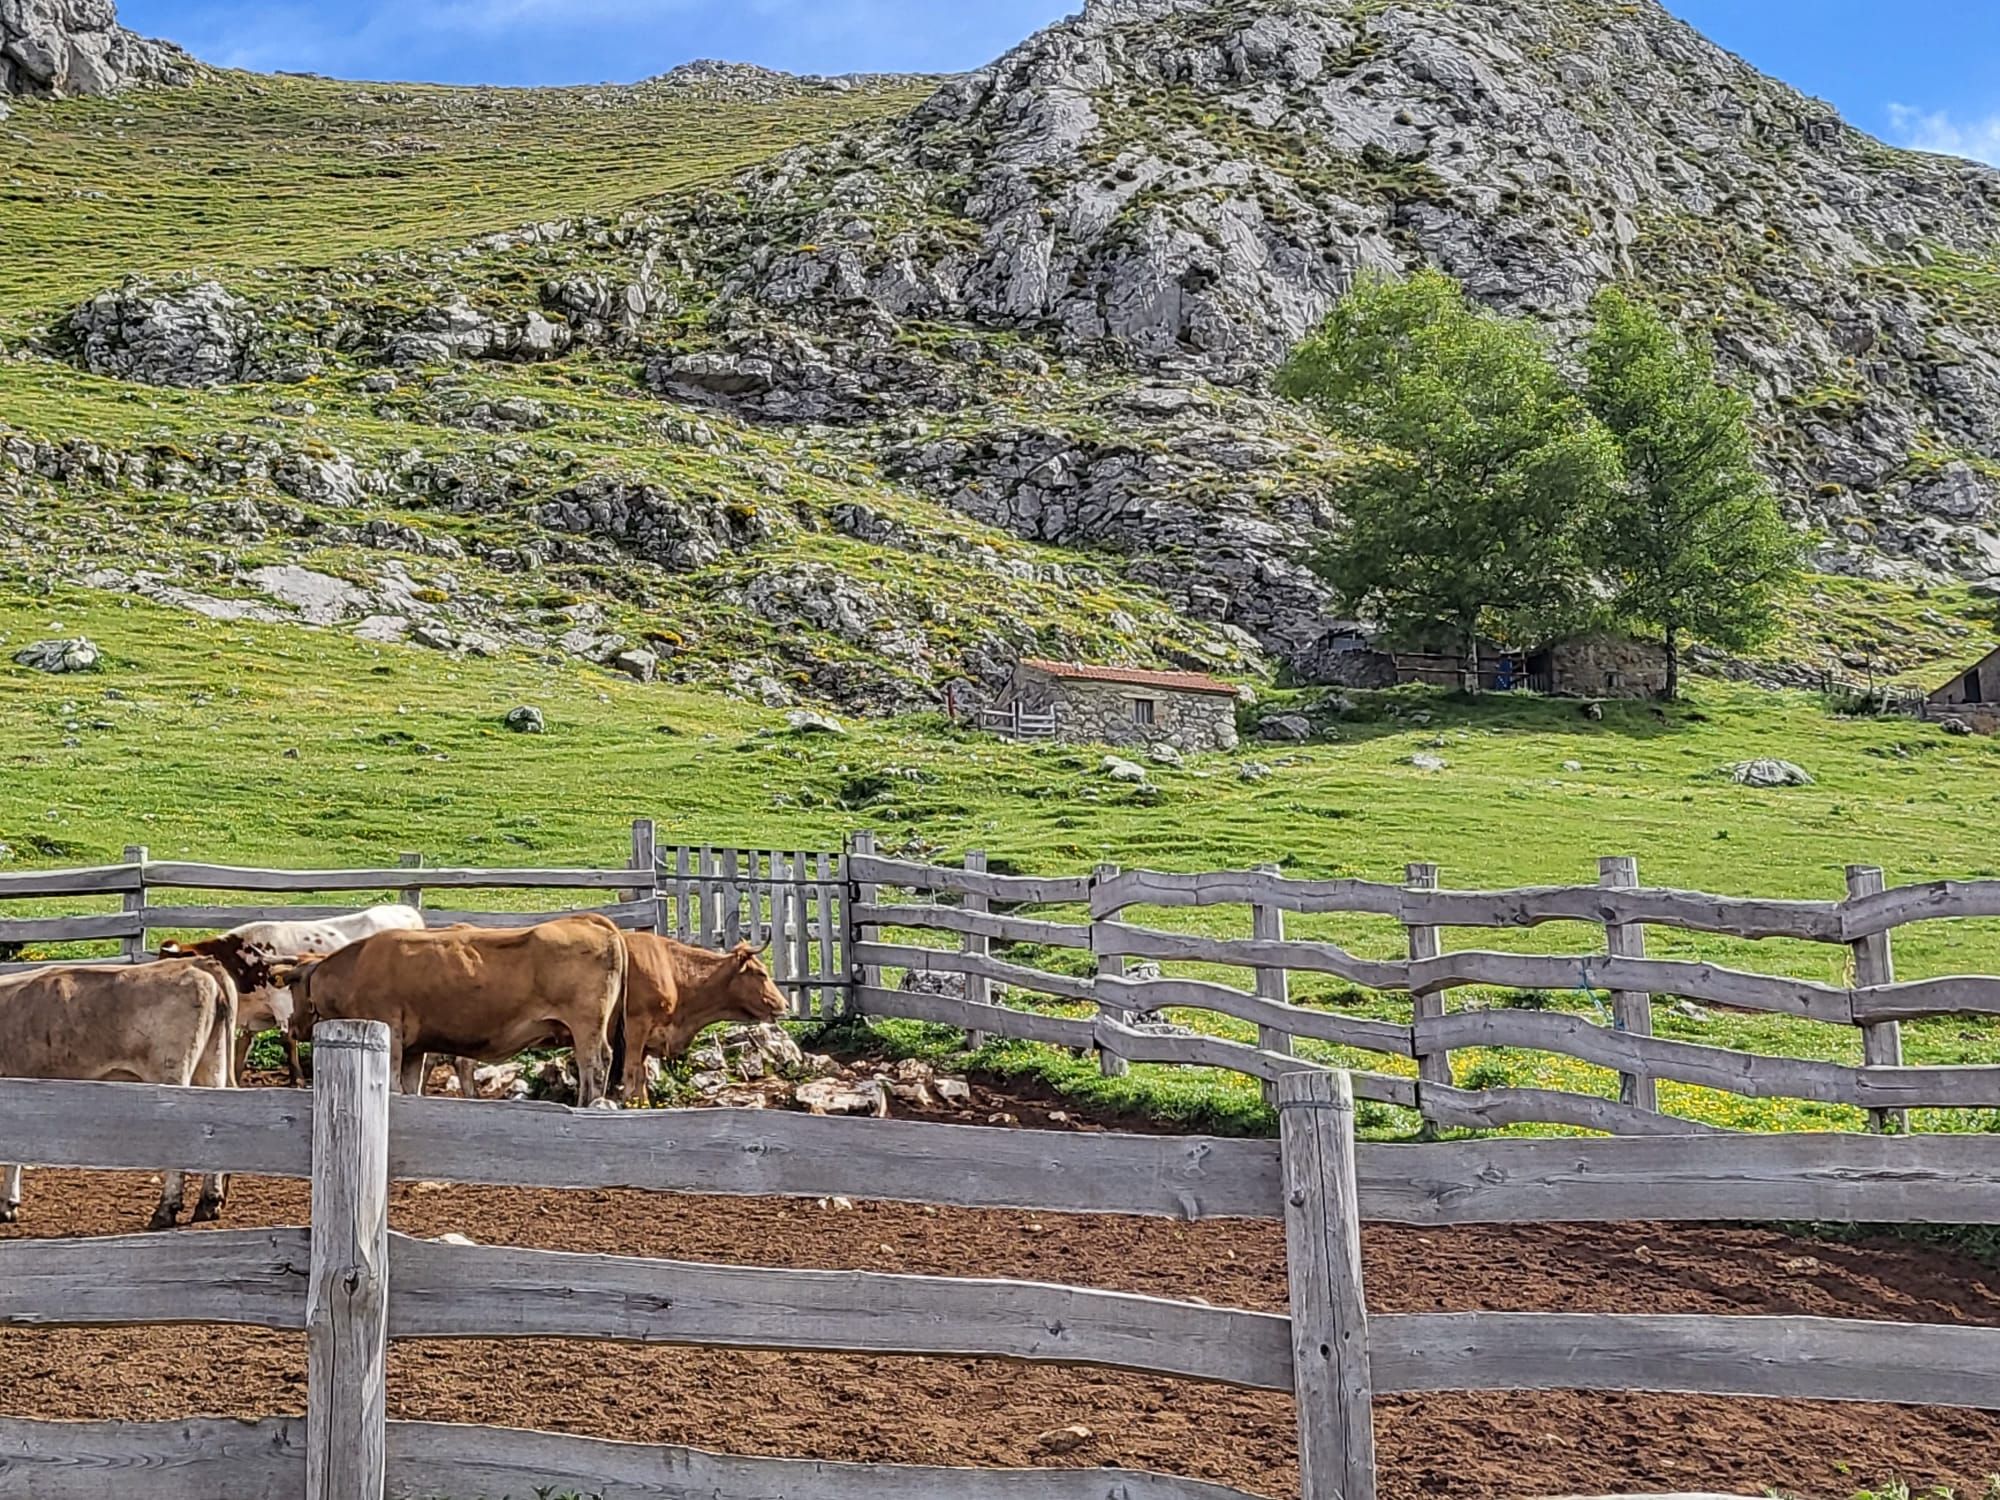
(10, 1213)
(206, 1212)
(162, 1220)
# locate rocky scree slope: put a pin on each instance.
(77, 47)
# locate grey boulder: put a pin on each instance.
(77, 655)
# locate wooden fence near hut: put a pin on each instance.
(1861, 924)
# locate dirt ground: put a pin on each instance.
(955, 1411)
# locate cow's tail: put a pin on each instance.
(618, 1052)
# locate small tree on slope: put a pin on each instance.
(1484, 473)
(1692, 542)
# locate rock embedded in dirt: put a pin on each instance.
(831, 1097)
(954, 1092)
(59, 657)
(1064, 1439)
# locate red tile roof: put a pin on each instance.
(1173, 682)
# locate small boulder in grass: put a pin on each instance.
(805, 721)
(1120, 769)
(526, 720)
(59, 657)
(1769, 773)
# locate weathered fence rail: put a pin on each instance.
(1124, 995)
(354, 1287)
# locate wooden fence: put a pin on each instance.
(823, 915)
(1123, 1027)
(353, 1286)
(794, 902)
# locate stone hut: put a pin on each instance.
(1600, 666)
(1973, 697)
(1122, 706)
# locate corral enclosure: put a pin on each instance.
(351, 1285)
(855, 934)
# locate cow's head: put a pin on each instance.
(297, 977)
(250, 965)
(750, 993)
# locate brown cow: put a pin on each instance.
(171, 1022)
(674, 992)
(468, 992)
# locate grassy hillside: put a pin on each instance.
(184, 742)
(246, 171)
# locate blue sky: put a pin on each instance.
(1918, 72)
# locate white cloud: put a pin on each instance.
(1936, 130)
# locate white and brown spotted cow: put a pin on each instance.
(169, 1022)
(250, 952)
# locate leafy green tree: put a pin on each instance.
(1481, 473)
(1692, 542)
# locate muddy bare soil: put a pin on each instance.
(955, 1411)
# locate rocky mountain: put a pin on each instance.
(77, 47)
(985, 373)
(1188, 185)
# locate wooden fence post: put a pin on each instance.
(134, 947)
(1335, 1394)
(732, 898)
(860, 893)
(347, 1292)
(646, 856)
(1631, 1009)
(1432, 1067)
(831, 905)
(978, 988)
(1273, 984)
(1109, 1062)
(1875, 963)
(411, 895)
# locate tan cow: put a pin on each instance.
(470, 992)
(170, 1022)
(674, 992)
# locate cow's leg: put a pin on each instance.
(292, 1060)
(409, 1068)
(173, 1197)
(215, 1070)
(632, 1083)
(593, 1059)
(245, 1040)
(468, 1085)
(10, 1195)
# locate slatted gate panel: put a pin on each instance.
(791, 903)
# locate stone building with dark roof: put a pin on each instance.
(1189, 711)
